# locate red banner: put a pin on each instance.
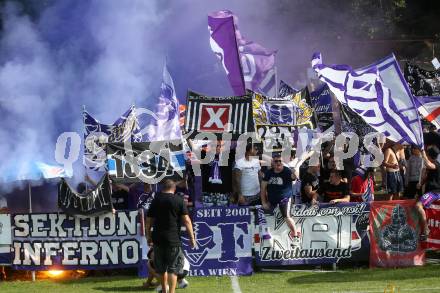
(394, 234)
(433, 219)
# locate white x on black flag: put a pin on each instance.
(218, 115)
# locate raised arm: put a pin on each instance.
(263, 195)
(429, 165)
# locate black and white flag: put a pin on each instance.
(218, 115)
(91, 202)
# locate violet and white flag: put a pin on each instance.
(164, 122)
(97, 135)
(257, 63)
(223, 43)
(429, 108)
(379, 94)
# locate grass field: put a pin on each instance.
(420, 279)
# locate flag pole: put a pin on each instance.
(30, 211)
(30, 196)
(238, 54)
(276, 81)
(336, 113)
(84, 131)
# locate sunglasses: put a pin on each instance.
(277, 161)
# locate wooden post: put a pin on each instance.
(30, 211)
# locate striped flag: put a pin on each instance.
(429, 108)
(379, 94)
(218, 114)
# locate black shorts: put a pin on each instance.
(182, 275)
(168, 259)
(411, 190)
(394, 182)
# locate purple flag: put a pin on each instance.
(223, 43)
(258, 65)
(257, 71)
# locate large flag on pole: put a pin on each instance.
(164, 123)
(223, 43)
(247, 64)
(379, 94)
(429, 108)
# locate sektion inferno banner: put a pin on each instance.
(56, 240)
(394, 234)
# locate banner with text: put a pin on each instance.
(433, 220)
(224, 242)
(149, 162)
(59, 241)
(394, 233)
(329, 234)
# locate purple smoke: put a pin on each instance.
(107, 55)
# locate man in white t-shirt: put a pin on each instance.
(247, 177)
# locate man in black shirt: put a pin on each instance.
(335, 190)
(432, 187)
(166, 214)
(310, 185)
(432, 138)
(120, 196)
(432, 179)
(217, 180)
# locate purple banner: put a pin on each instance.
(224, 242)
(224, 44)
(321, 103)
(329, 234)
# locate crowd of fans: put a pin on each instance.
(258, 180)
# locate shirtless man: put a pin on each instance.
(393, 156)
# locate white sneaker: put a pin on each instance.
(159, 289)
(182, 284)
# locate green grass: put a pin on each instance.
(418, 279)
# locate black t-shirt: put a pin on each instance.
(145, 200)
(167, 210)
(120, 199)
(433, 178)
(432, 138)
(308, 179)
(279, 185)
(212, 185)
(330, 191)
